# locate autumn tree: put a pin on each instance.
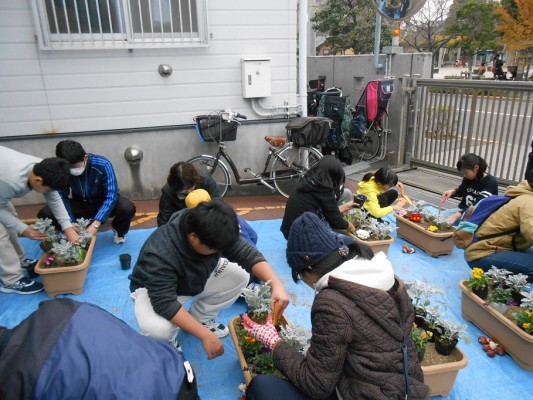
(349, 24)
(472, 28)
(516, 27)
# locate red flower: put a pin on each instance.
(415, 217)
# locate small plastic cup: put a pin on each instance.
(125, 261)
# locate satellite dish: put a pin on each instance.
(398, 9)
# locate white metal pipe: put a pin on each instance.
(302, 58)
(377, 39)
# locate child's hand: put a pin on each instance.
(266, 333)
(446, 195)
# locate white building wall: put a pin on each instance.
(68, 91)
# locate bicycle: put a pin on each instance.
(369, 144)
(284, 165)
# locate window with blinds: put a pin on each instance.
(75, 24)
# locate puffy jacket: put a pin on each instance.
(371, 190)
(356, 344)
(516, 214)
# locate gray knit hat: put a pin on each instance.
(311, 241)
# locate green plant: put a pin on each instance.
(421, 293)
(499, 295)
(62, 253)
(259, 300)
(296, 336)
(516, 282)
(498, 275)
(524, 316)
(478, 279)
(368, 228)
(450, 331)
(439, 122)
(420, 337)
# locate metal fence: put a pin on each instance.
(492, 119)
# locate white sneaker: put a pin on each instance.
(220, 330)
(118, 239)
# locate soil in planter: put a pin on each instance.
(433, 358)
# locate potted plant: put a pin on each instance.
(421, 293)
(506, 329)
(63, 267)
(479, 283)
(421, 338)
(432, 233)
(259, 301)
(253, 357)
(449, 333)
(369, 231)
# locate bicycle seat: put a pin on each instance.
(276, 141)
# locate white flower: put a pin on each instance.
(362, 234)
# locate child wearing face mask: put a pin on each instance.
(93, 192)
(379, 192)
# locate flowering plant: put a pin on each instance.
(450, 331)
(368, 228)
(478, 279)
(420, 337)
(420, 214)
(524, 317)
(420, 293)
(60, 252)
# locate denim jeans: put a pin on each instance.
(514, 261)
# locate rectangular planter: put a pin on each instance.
(516, 342)
(433, 243)
(242, 361)
(65, 280)
(375, 245)
(440, 378)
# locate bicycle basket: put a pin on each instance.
(208, 128)
(308, 131)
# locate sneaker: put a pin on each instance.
(23, 286)
(118, 239)
(220, 330)
(29, 265)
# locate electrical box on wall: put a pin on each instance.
(255, 77)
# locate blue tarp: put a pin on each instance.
(107, 286)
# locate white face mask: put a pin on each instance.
(77, 171)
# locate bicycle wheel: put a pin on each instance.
(290, 164)
(368, 146)
(217, 170)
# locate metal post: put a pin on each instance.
(377, 39)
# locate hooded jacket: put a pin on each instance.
(315, 198)
(169, 202)
(371, 190)
(356, 343)
(516, 214)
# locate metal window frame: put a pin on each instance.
(127, 39)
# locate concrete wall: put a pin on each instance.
(352, 73)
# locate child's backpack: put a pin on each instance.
(474, 217)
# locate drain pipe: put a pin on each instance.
(273, 111)
(377, 39)
(303, 17)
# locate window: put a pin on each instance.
(75, 24)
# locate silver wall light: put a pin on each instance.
(165, 70)
(133, 154)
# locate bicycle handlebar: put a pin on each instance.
(241, 116)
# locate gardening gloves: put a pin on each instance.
(266, 333)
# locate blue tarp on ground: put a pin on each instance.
(107, 286)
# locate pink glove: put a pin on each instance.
(266, 333)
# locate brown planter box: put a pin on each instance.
(516, 342)
(63, 280)
(375, 245)
(242, 361)
(433, 243)
(440, 378)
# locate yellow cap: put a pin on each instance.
(196, 197)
